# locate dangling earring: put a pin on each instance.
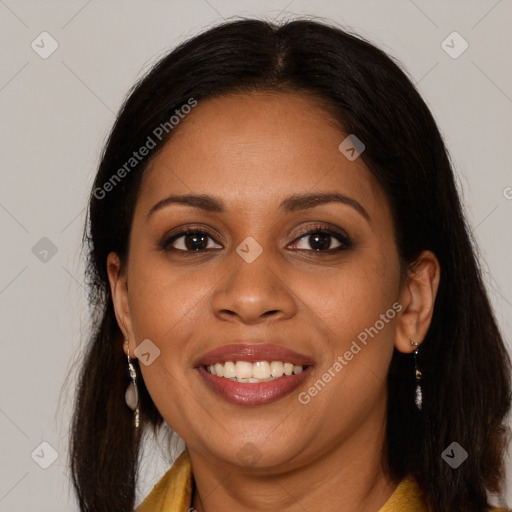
(131, 396)
(418, 400)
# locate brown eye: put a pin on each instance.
(322, 240)
(316, 240)
(191, 240)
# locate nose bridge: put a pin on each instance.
(252, 287)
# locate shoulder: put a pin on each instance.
(173, 492)
(408, 496)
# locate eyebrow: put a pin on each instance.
(291, 204)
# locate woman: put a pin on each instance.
(281, 271)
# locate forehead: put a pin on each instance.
(254, 149)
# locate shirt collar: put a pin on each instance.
(173, 493)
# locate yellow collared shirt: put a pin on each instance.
(173, 493)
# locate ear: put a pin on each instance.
(417, 297)
(119, 291)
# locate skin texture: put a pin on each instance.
(252, 151)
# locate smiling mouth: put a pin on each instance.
(254, 373)
(259, 371)
(251, 391)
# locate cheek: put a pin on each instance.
(169, 301)
(166, 301)
(168, 307)
(357, 310)
(354, 296)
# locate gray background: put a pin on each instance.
(56, 113)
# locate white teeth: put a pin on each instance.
(252, 380)
(243, 369)
(276, 369)
(229, 369)
(260, 371)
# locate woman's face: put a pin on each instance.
(258, 280)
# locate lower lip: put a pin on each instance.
(258, 393)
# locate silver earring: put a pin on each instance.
(418, 399)
(131, 396)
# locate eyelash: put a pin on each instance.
(341, 237)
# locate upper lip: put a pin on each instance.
(253, 352)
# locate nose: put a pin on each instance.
(254, 292)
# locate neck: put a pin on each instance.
(346, 477)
